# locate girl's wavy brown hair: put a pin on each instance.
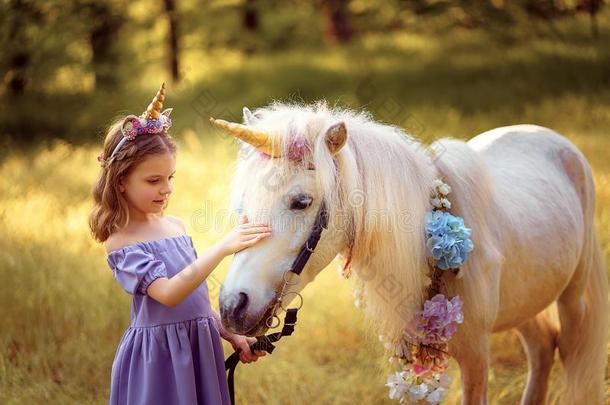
(111, 212)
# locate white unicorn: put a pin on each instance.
(527, 193)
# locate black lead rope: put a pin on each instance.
(266, 342)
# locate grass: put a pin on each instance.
(63, 313)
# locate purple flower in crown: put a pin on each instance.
(153, 126)
(437, 322)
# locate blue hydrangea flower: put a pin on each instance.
(448, 239)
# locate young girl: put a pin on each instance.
(171, 353)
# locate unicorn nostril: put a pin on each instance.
(241, 306)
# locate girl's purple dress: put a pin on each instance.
(167, 355)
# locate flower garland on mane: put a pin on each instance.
(421, 353)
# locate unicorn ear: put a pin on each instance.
(167, 112)
(130, 125)
(249, 118)
(336, 136)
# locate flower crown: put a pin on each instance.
(152, 121)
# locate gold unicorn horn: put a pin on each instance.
(154, 108)
(258, 139)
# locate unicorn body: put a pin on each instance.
(526, 192)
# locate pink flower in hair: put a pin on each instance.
(297, 148)
(100, 158)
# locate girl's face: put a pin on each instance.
(148, 186)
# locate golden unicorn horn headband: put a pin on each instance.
(260, 140)
(152, 121)
(153, 111)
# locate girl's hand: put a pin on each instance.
(243, 236)
(243, 342)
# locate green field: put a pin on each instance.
(63, 313)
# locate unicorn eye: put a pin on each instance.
(301, 202)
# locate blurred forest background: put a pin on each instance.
(436, 67)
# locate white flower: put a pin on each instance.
(436, 396)
(437, 183)
(445, 203)
(406, 385)
(444, 189)
(359, 300)
(436, 202)
(427, 281)
(418, 391)
(401, 350)
(445, 381)
(398, 386)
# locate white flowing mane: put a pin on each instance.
(378, 193)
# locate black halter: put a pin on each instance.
(265, 342)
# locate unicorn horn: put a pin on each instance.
(154, 108)
(258, 139)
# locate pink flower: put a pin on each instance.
(297, 148)
(263, 154)
(100, 158)
(419, 369)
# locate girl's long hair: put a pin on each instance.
(111, 212)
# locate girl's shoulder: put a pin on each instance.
(177, 221)
(120, 239)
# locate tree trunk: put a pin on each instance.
(592, 7)
(103, 38)
(19, 55)
(250, 16)
(337, 27)
(174, 60)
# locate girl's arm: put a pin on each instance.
(225, 334)
(171, 291)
